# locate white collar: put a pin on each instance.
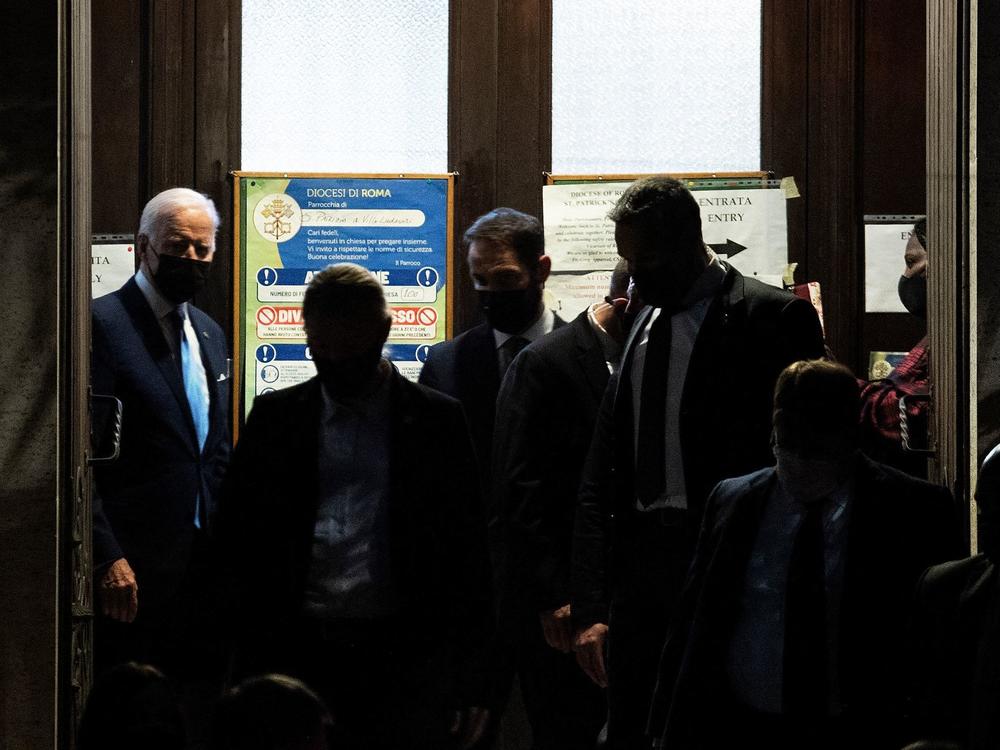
(546, 321)
(159, 304)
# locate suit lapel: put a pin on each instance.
(159, 352)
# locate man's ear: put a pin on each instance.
(386, 327)
(544, 268)
(141, 248)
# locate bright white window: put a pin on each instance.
(655, 85)
(345, 85)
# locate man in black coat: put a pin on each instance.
(789, 633)
(505, 252)
(165, 360)
(545, 416)
(353, 536)
(955, 658)
(690, 406)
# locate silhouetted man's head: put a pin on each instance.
(347, 324)
(507, 262)
(271, 712)
(815, 425)
(658, 231)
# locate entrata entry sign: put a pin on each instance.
(290, 227)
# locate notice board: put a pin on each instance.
(744, 220)
(290, 226)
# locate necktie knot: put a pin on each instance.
(510, 349)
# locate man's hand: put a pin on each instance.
(119, 593)
(557, 628)
(468, 726)
(589, 648)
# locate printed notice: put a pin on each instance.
(291, 228)
(885, 246)
(747, 227)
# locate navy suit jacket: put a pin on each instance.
(546, 411)
(898, 525)
(467, 368)
(144, 502)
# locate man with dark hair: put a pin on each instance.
(881, 427)
(353, 536)
(505, 252)
(272, 712)
(545, 416)
(690, 406)
(788, 633)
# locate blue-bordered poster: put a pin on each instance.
(289, 226)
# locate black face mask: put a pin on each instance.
(511, 311)
(913, 294)
(349, 377)
(179, 279)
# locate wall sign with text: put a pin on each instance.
(291, 226)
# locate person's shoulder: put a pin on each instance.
(283, 399)
(462, 341)
(734, 490)
(421, 396)
(903, 485)
(956, 574)
(758, 293)
(110, 308)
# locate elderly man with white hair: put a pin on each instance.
(166, 361)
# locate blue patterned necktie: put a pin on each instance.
(195, 387)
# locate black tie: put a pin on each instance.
(508, 350)
(651, 451)
(806, 682)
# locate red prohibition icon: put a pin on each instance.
(427, 316)
(266, 316)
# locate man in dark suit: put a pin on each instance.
(955, 656)
(505, 252)
(690, 406)
(165, 360)
(789, 630)
(545, 416)
(353, 536)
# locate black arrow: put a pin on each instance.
(729, 249)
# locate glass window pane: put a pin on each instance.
(345, 85)
(655, 85)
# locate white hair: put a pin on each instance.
(163, 206)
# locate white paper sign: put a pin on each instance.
(746, 227)
(569, 294)
(885, 246)
(110, 266)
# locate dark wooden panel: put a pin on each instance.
(171, 94)
(524, 124)
(785, 112)
(894, 111)
(893, 172)
(216, 146)
(833, 214)
(472, 129)
(116, 114)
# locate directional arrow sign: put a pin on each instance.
(729, 249)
